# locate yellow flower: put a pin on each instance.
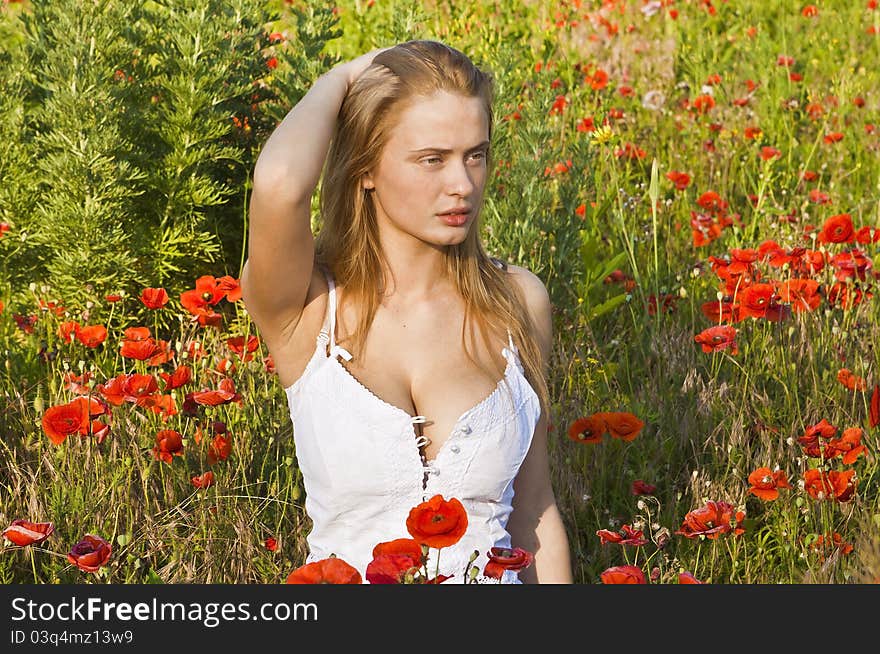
(602, 135)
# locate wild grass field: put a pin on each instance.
(695, 181)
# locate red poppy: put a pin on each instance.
(688, 578)
(621, 424)
(711, 520)
(154, 298)
(203, 480)
(25, 323)
(559, 104)
(623, 574)
(679, 179)
(61, 421)
(756, 299)
(271, 544)
(181, 376)
(639, 487)
(392, 569)
(625, 536)
(140, 350)
(818, 197)
(134, 387)
(837, 229)
(24, 532)
(765, 483)
(704, 229)
(598, 80)
(768, 153)
(326, 571)
(815, 438)
(223, 395)
(833, 137)
(506, 558)
(169, 443)
(407, 546)
(199, 301)
(851, 264)
(831, 485)
(801, 294)
(810, 11)
(834, 542)
(718, 338)
(230, 287)
(587, 430)
(718, 312)
(67, 330)
(752, 132)
(90, 553)
(711, 201)
(849, 445)
(851, 381)
(784, 60)
(437, 523)
(586, 125)
(703, 103)
(243, 349)
(220, 449)
(92, 335)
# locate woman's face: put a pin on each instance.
(433, 163)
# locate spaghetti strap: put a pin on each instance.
(328, 329)
(330, 317)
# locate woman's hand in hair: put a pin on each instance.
(355, 67)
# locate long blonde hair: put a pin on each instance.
(348, 241)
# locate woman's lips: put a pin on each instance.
(454, 219)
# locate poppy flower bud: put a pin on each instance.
(662, 538)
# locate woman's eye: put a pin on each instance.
(431, 160)
(479, 156)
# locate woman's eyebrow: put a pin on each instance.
(447, 150)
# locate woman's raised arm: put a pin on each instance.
(281, 248)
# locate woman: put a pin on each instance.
(412, 362)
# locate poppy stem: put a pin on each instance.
(33, 565)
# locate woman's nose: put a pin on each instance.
(460, 181)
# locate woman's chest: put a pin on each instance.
(419, 362)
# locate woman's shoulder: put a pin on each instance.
(537, 301)
(533, 288)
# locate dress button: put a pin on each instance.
(466, 429)
(455, 449)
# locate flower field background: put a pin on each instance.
(695, 182)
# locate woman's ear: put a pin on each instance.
(367, 183)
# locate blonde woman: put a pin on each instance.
(413, 363)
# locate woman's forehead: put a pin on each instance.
(442, 119)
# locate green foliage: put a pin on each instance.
(132, 131)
